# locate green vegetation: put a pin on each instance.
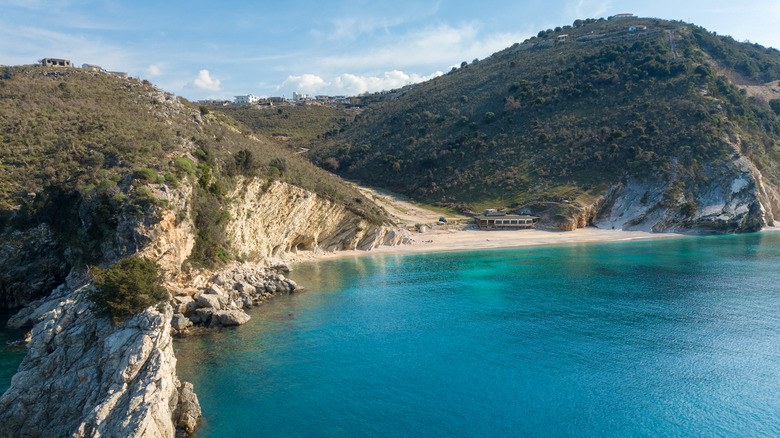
(297, 125)
(127, 287)
(84, 151)
(548, 121)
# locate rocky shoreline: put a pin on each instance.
(221, 301)
(86, 377)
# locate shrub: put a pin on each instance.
(128, 287)
(184, 166)
(279, 163)
(146, 175)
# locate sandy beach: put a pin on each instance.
(463, 238)
(470, 239)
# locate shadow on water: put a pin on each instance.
(11, 353)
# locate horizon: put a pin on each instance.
(199, 51)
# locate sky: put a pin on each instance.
(205, 49)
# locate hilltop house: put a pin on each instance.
(619, 16)
(495, 220)
(247, 99)
(562, 38)
(55, 62)
(91, 67)
(301, 98)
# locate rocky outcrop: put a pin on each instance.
(158, 234)
(85, 377)
(733, 198)
(271, 220)
(31, 266)
(221, 301)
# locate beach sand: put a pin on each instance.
(454, 238)
(471, 239)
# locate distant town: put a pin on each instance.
(249, 99)
(297, 99)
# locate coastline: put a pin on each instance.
(471, 240)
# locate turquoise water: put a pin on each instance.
(10, 356)
(664, 338)
(672, 338)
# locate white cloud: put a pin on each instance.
(441, 45)
(204, 81)
(153, 71)
(350, 84)
(580, 9)
(376, 17)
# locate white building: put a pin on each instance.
(301, 98)
(246, 99)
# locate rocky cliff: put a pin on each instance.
(272, 220)
(733, 197)
(85, 377)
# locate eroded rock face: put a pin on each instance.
(271, 221)
(734, 198)
(85, 377)
(31, 265)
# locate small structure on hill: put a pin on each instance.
(91, 67)
(619, 16)
(246, 99)
(121, 74)
(56, 62)
(637, 27)
(562, 38)
(495, 220)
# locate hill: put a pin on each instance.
(91, 164)
(561, 121)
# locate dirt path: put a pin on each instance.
(406, 212)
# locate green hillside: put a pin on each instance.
(297, 125)
(80, 149)
(561, 118)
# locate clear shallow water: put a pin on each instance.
(672, 338)
(675, 338)
(10, 356)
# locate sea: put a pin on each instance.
(671, 337)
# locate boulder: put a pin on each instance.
(224, 301)
(231, 317)
(204, 315)
(243, 286)
(281, 268)
(188, 409)
(210, 300)
(246, 300)
(214, 290)
(191, 307)
(180, 322)
(180, 303)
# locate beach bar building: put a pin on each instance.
(495, 220)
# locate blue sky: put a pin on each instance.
(202, 49)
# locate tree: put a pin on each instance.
(775, 105)
(128, 287)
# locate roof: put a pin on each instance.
(505, 216)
